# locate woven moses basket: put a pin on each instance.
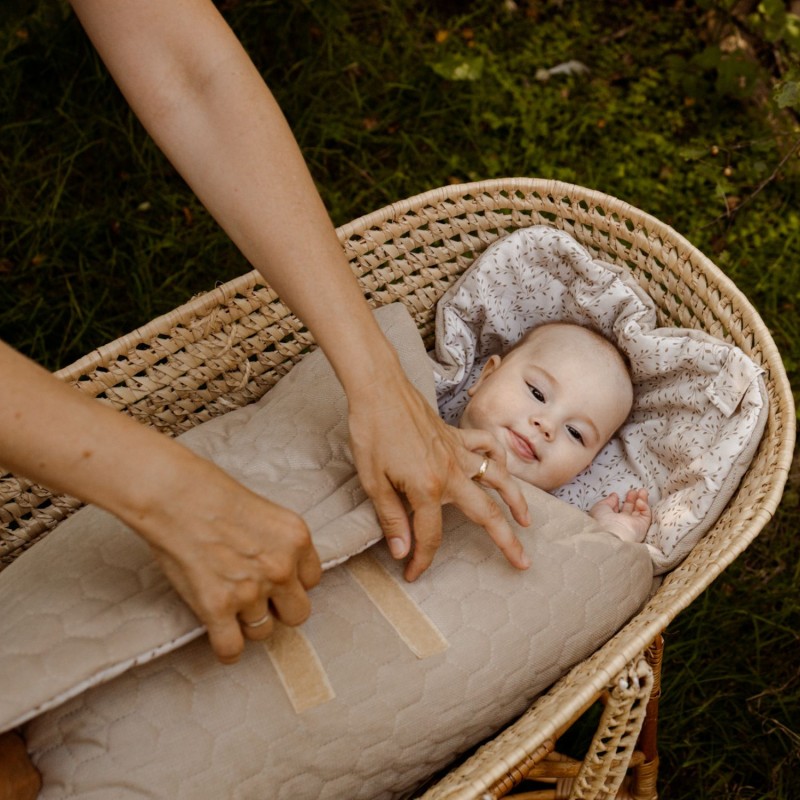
(225, 349)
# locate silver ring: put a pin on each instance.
(259, 622)
(482, 469)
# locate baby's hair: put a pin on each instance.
(609, 345)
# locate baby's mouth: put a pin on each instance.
(522, 446)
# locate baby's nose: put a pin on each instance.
(545, 429)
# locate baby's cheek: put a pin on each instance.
(473, 417)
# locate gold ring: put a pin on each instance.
(482, 470)
(259, 622)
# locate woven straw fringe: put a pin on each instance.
(604, 769)
(226, 348)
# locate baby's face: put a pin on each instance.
(552, 403)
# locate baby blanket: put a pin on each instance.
(700, 404)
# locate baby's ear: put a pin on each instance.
(488, 368)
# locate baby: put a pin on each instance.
(552, 402)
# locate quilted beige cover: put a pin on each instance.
(183, 726)
(82, 608)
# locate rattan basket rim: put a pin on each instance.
(204, 303)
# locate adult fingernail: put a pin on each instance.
(397, 547)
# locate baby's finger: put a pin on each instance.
(612, 501)
(630, 502)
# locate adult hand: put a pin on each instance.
(237, 559)
(229, 553)
(403, 449)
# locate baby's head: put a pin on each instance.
(552, 401)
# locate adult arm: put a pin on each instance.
(224, 548)
(198, 94)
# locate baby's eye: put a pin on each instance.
(575, 434)
(537, 393)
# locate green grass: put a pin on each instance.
(100, 235)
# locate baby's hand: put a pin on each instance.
(630, 521)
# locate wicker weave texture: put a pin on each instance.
(226, 348)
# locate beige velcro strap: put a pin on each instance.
(298, 667)
(389, 596)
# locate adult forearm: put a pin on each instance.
(227, 551)
(51, 433)
(199, 95)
